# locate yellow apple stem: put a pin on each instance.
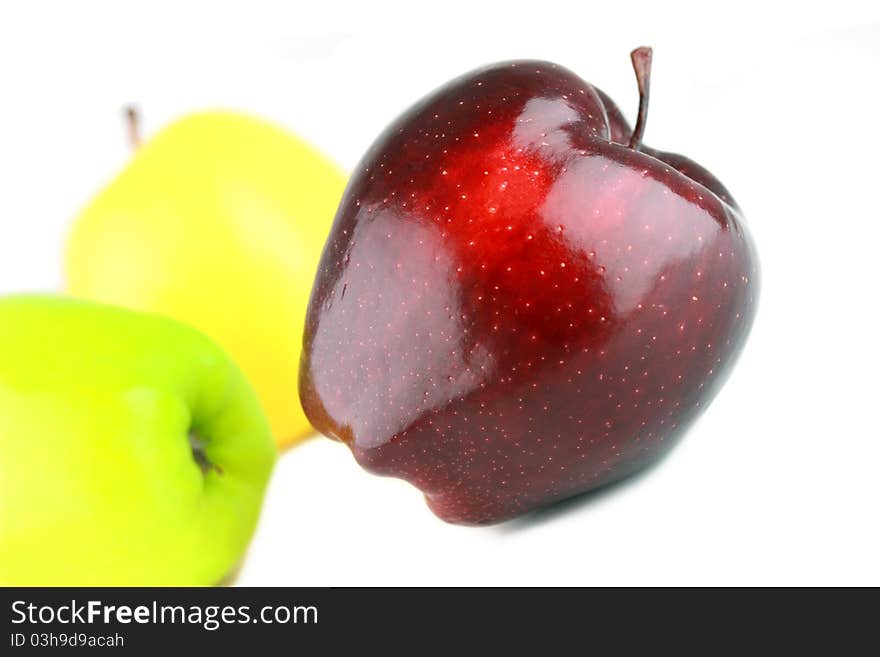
(132, 120)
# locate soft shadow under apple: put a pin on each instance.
(571, 505)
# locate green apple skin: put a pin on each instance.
(98, 481)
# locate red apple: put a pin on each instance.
(518, 302)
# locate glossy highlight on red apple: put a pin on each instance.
(518, 301)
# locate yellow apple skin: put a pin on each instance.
(218, 221)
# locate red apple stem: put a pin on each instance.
(132, 121)
(641, 61)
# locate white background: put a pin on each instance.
(776, 484)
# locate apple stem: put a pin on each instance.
(641, 61)
(132, 120)
(200, 457)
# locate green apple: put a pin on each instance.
(132, 449)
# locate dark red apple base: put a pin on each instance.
(514, 306)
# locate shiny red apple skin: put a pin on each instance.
(512, 308)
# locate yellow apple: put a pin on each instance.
(218, 221)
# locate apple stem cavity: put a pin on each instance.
(641, 61)
(132, 121)
(197, 446)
